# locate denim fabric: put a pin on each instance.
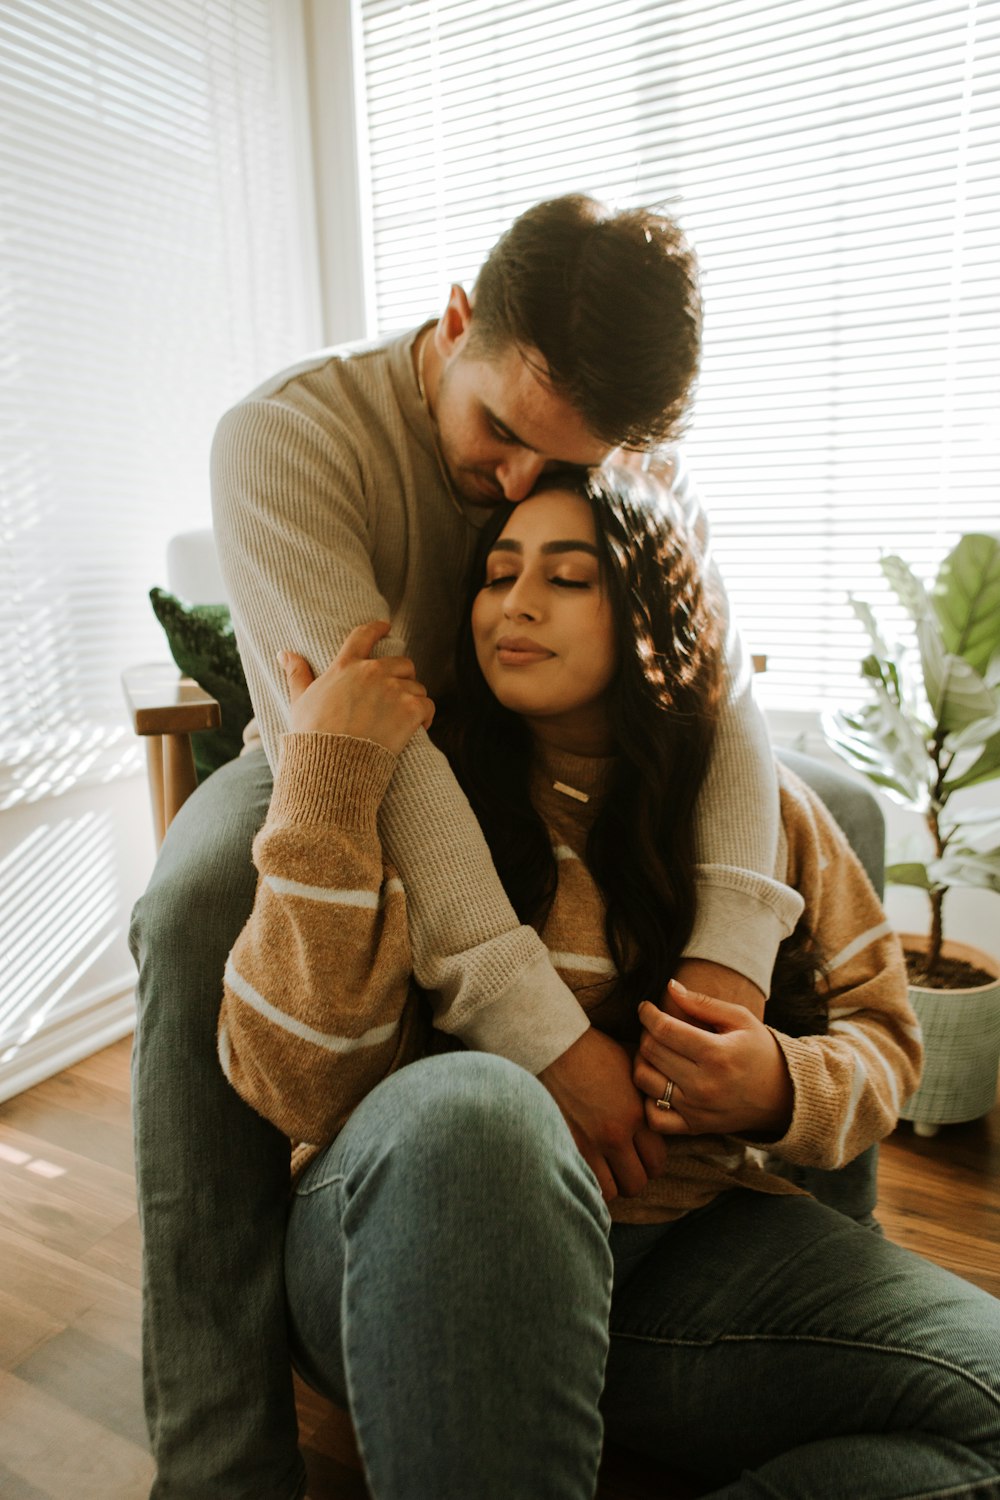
(212, 1176)
(776, 1336)
(448, 1278)
(448, 1272)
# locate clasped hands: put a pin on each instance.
(728, 1072)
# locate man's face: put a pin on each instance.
(500, 427)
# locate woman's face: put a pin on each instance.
(542, 623)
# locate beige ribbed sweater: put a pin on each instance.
(330, 510)
(318, 1005)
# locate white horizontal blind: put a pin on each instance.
(838, 169)
(150, 274)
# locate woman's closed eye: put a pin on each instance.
(505, 579)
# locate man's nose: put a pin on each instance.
(518, 474)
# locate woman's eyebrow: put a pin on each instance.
(508, 544)
(549, 547)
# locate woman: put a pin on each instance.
(453, 1273)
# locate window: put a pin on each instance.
(152, 270)
(836, 168)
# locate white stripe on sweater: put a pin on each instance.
(859, 944)
(583, 962)
(858, 1081)
(330, 1043)
(225, 1051)
(844, 1028)
(371, 900)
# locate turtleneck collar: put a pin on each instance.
(588, 775)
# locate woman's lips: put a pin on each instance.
(518, 651)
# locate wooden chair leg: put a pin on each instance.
(154, 766)
(179, 776)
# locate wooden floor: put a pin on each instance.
(71, 1425)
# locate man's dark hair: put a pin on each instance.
(611, 303)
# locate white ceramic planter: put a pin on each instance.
(961, 1045)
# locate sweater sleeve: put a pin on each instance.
(848, 1084)
(291, 513)
(317, 1005)
(743, 912)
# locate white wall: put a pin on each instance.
(70, 868)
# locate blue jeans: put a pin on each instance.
(449, 1278)
(212, 1175)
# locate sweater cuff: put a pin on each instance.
(330, 778)
(741, 919)
(534, 1021)
(808, 1141)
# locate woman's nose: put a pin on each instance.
(521, 602)
(518, 474)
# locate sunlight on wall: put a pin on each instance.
(60, 913)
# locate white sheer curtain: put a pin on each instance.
(151, 270)
(837, 169)
(155, 263)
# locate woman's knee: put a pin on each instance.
(467, 1117)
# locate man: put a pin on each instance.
(350, 489)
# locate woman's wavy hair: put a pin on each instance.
(663, 705)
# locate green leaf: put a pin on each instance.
(985, 767)
(959, 697)
(978, 818)
(974, 734)
(908, 873)
(907, 587)
(869, 620)
(879, 741)
(968, 868)
(966, 599)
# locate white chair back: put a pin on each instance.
(193, 571)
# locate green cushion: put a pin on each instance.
(203, 645)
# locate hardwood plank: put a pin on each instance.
(70, 1306)
(109, 1068)
(48, 1281)
(58, 1196)
(119, 1252)
(14, 1487)
(48, 1445)
(91, 1377)
(22, 1329)
(116, 1319)
(108, 1140)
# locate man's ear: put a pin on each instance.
(452, 328)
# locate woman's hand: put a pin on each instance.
(368, 698)
(728, 1072)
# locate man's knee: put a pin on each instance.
(202, 887)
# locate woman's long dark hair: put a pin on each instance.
(663, 707)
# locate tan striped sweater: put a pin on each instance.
(319, 1005)
(330, 510)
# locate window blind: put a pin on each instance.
(837, 170)
(150, 275)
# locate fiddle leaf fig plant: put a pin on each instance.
(931, 727)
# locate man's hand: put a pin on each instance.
(368, 698)
(592, 1084)
(729, 1074)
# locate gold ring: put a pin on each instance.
(664, 1101)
